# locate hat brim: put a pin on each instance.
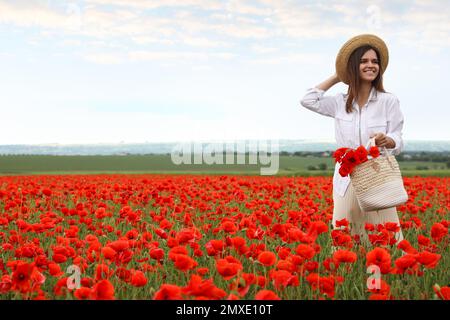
(354, 43)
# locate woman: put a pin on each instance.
(366, 111)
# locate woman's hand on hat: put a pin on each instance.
(382, 140)
(328, 83)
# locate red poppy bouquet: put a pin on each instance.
(350, 158)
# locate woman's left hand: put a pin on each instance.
(382, 140)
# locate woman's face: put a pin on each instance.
(368, 66)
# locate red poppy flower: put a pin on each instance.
(267, 258)
(123, 274)
(59, 258)
(102, 272)
(342, 223)
(232, 297)
(384, 288)
(392, 226)
(344, 256)
(109, 253)
(266, 295)
(339, 153)
(443, 293)
(229, 227)
(381, 258)
(138, 279)
(26, 277)
(174, 251)
(83, 293)
(341, 239)
(157, 254)
(103, 290)
(214, 247)
(283, 278)
(317, 227)
(344, 170)
(60, 287)
(326, 285)
(438, 232)
(184, 262)
(406, 246)
(228, 267)
(187, 235)
(202, 271)
(374, 151)
(5, 284)
(305, 251)
(168, 292)
(361, 154)
(55, 269)
(161, 233)
(311, 266)
(378, 296)
(286, 265)
(238, 242)
(405, 262)
(119, 245)
(350, 158)
(203, 288)
(423, 241)
(428, 259)
(87, 282)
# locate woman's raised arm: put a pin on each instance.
(327, 84)
(314, 99)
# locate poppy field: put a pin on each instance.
(213, 237)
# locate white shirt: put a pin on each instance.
(381, 113)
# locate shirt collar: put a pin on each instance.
(373, 95)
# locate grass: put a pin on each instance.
(162, 164)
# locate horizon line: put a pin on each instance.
(49, 144)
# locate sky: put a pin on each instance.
(111, 71)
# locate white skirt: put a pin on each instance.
(347, 207)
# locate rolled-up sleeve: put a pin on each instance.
(315, 100)
(395, 125)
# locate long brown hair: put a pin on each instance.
(353, 74)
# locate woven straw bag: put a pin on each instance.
(378, 182)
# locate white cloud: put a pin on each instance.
(241, 7)
(71, 43)
(292, 58)
(243, 31)
(142, 55)
(177, 56)
(153, 4)
(144, 40)
(204, 42)
(32, 15)
(263, 50)
(103, 58)
(427, 20)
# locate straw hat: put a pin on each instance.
(354, 43)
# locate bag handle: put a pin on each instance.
(371, 143)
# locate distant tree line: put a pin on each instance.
(437, 156)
